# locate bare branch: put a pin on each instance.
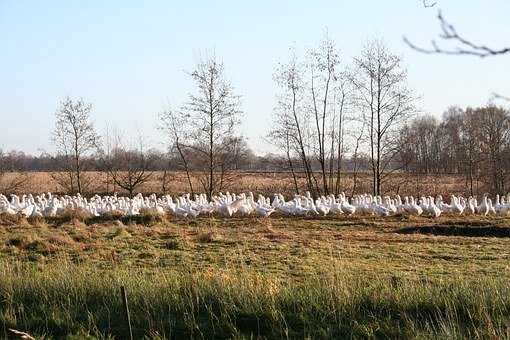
(500, 97)
(426, 4)
(465, 45)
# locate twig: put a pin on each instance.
(467, 47)
(498, 96)
(21, 335)
(428, 5)
(126, 310)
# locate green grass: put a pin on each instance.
(64, 299)
(251, 278)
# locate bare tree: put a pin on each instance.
(495, 145)
(104, 156)
(290, 127)
(129, 167)
(239, 152)
(450, 132)
(420, 145)
(209, 119)
(74, 138)
(309, 116)
(342, 100)
(323, 75)
(282, 137)
(385, 102)
(474, 142)
(356, 157)
(172, 125)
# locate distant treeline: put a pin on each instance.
(19, 161)
(473, 142)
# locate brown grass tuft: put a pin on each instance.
(8, 219)
(32, 243)
(119, 224)
(61, 240)
(120, 232)
(207, 237)
(273, 234)
(75, 214)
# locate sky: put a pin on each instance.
(129, 57)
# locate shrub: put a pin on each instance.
(146, 217)
(173, 244)
(207, 237)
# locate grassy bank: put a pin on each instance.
(63, 299)
(249, 278)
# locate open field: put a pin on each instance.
(408, 277)
(255, 170)
(265, 183)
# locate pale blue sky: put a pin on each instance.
(128, 57)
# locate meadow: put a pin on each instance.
(266, 183)
(345, 277)
(130, 252)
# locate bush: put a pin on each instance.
(173, 244)
(70, 215)
(32, 244)
(146, 217)
(207, 237)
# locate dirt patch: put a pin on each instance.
(459, 230)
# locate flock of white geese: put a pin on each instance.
(244, 204)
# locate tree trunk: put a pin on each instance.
(78, 172)
(300, 142)
(211, 145)
(186, 168)
(291, 165)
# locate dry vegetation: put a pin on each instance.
(283, 277)
(247, 277)
(281, 246)
(265, 183)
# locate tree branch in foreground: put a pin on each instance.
(427, 4)
(465, 46)
(498, 96)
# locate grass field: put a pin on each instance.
(266, 183)
(250, 278)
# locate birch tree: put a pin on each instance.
(74, 138)
(385, 103)
(209, 121)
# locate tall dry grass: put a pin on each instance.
(62, 299)
(266, 183)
